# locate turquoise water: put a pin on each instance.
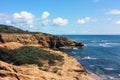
(100, 55)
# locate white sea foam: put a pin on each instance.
(119, 75)
(91, 65)
(109, 68)
(85, 44)
(85, 58)
(113, 44)
(104, 45)
(108, 77)
(109, 44)
(103, 40)
(73, 52)
(88, 58)
(75, 48)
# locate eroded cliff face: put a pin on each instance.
(70, 69)
(43, 40)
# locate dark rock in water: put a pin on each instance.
(79, 44)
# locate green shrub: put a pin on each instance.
(5, 54)
(28, 55)
(32, 55)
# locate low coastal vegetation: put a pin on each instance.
(10, 29)
(29, 55)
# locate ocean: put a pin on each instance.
(101, 54)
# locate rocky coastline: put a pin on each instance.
(64, 68)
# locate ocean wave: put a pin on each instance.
(104, 45)
(109, 44)
(73, 52)
(109, 69)
(86, 58)
(104, 40)
(75, 48)
(108, 77)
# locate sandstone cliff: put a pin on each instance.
(43, 40)
(70, 70)
(67, 69)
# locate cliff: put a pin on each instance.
(69, 70)
(36, 56)
(43, 40)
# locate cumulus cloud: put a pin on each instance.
(23, 17)
(45, 15)
(83, 20)
(60, 21)
(114, 12)
(8, 22)
(44, 18)
(118, 22)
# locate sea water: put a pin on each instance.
(101, 54)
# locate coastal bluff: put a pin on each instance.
(40, 39)
(36, 56)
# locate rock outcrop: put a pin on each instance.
(43, 40)
(70, 70)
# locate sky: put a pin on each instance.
(63, 16)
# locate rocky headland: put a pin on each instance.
(37, 56)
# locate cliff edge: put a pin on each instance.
(36, 56)
(43, 40)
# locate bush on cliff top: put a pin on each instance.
(5, 55)
(29, 55)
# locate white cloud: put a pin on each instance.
(117, 22)
(114, 12)
(84, 20)
(8, 22)
(31, 26)
(23, 17)
(60, 21)
(81, 21)
(45, 15)
(87, 18)
(44, 18)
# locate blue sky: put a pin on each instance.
(63, 16)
